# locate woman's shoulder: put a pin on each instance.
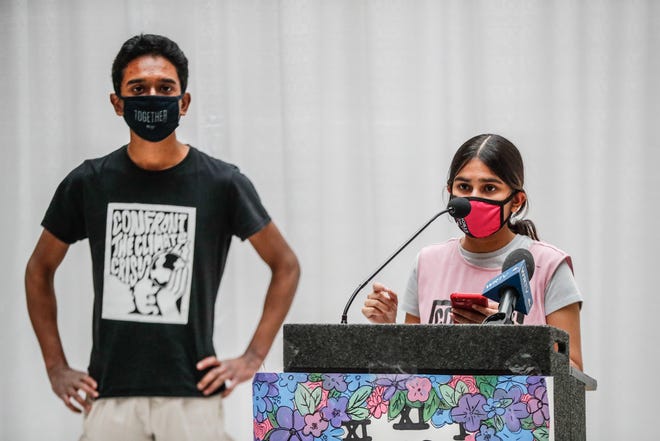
(549, 252)
(436, 247)
(545, 247)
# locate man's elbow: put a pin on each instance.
(288, 268)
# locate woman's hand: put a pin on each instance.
(381, 305)
(474, 315)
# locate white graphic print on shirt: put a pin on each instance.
(148, 263)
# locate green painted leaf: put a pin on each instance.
(486, 385)
(431, 405)
(272, 419)
(541, 434)
(359, 397)
(448, 395)
(461, 389)
(306, 400)
(498, 422)
(314, 378)
(397, 402)
(358, 413)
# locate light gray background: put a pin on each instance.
(345, 115)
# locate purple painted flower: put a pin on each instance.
(335, 411)
(314, 425)
(534, 382)
(515, 411)
(290, 426)
(486, 434)
(334, 381)
(538, 406)
(392, 384)
(470, 411)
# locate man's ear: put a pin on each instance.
(185, 103)
(117, 103)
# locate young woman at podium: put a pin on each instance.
(488, 171)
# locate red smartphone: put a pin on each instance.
(464, 300)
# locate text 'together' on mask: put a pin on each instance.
(152, 117)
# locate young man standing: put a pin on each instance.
(159, 216)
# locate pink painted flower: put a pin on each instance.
(261, 428)
(315, 425)
(375, 403)
(418, 389)
(469, 381)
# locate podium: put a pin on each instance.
(448, 350)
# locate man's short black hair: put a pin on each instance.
(149, 44)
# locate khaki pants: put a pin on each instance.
(155, 418)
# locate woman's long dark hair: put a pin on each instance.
(504, 159)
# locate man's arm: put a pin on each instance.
(67, 383)
(285, 270)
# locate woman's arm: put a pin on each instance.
(568, 319)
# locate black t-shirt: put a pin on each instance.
(159, 242)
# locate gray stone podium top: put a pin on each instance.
(446, 349)
(433, 349)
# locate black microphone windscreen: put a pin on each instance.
(516, 256)
(459, 207)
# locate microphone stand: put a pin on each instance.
(344, 316)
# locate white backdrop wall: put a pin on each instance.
(345, 115)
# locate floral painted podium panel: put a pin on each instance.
(380, 407)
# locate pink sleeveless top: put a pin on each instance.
(442, 270)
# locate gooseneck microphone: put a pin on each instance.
(457, 208)
(511, 288)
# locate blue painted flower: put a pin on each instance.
(440, 379)
(290, 380)
(441, 417)
(486, 434)
(507, 382)
(334, 381)
(331, 434)
(356, 381)
(335, 411)
(290, 426)
(392, 384)
(495, 407)
(515, 411)
(264, 391)
(470, 411)
(261, 403)
(521, 435)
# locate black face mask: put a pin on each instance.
(152, 117)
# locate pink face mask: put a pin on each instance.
(485, 218)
